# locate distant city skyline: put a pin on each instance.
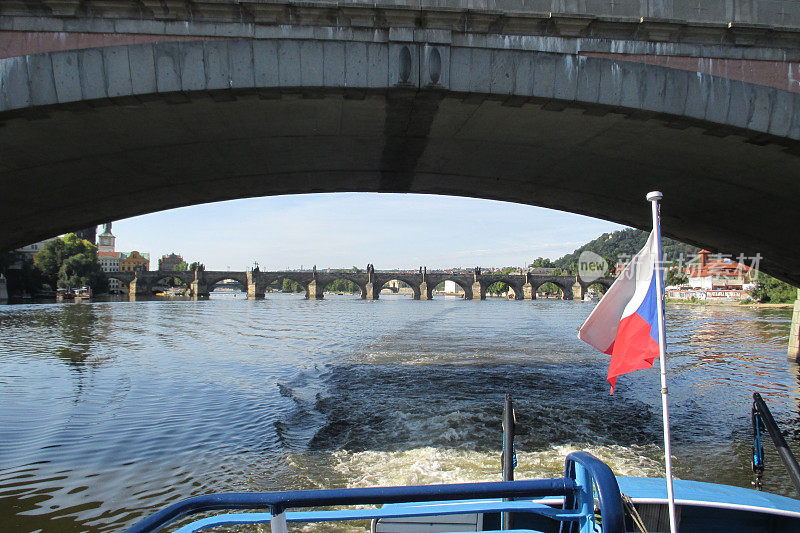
(341, 230)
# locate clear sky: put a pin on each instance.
(341, 230)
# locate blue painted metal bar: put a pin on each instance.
(584, 473)
(586, 469)
(458, 507)
(785, 453)
(277, 502)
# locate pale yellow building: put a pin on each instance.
(134, 261)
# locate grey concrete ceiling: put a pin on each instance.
(70, 167)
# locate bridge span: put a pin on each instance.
(422, 283)
(110, 109)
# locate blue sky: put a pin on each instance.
(345, 229)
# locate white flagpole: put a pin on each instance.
(653, 198)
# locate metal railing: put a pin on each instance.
(509, 453)
(583, 475)
(762, 416)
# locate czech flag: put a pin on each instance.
(624, 324)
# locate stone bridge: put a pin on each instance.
(110, 109)
(422, 283)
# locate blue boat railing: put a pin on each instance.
(762, 416)
(585, 477)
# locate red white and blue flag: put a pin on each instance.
(624, 324)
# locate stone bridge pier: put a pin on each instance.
(425, 286)
(198, 288)
(315, 289)
(372, 289)
(252, 285)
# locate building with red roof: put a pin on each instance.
(717, 272)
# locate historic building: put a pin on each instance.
(106, 242)
(109, 262)
(169, 262)
(108, 257)
(134, 261)
(720, 273)
(26, 253)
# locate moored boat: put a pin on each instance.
(84, 293)
(65, 294)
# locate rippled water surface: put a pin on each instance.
(109, 411)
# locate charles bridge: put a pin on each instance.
(422, 283)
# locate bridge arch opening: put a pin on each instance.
(596, 290)
(117, 285)
(227, 285)
(162, 282)
(342, 285)
(550, 289)
(287, 284)
(507, 287)
(399, 286)
(442, 141)
(457, 286)
(498, 288)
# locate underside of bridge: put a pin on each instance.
(115, 109)
(72, 166)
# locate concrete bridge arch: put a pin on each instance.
(514, 283)
(266, 280)
(211, 278)
(124, 281)
(328, 278)
(146, 281)
(412, 281)
(464, 282)
(564, 286)
(557, 113)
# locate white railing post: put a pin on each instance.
(278, 522)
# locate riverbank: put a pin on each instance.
(731, 303)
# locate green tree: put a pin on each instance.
(180, 267)
(70, 261)
(342, 285)
(498, 287)
(25, 279)
(291, 286)
(771, 290)
(621, 246)
(82, 270)
(542, 262)
(675, 277)
(549, 288)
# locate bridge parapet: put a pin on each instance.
(660, 20)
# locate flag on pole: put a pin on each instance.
(624, 324)
(628, 324)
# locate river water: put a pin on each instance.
(111, 410)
